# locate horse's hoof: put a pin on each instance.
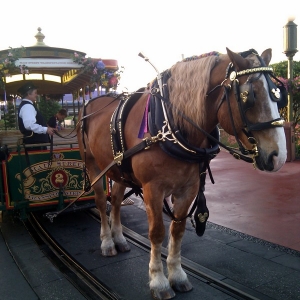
(163, 295)
(182, 287)
(123, 247)
(109, 252)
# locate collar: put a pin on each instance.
(27, 100)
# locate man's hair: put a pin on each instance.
(63, 112)
(25, 94)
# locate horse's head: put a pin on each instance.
(249, 109)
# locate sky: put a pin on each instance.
(164, 30)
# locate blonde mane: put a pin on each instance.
(188, 87)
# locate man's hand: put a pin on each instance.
(50, 130)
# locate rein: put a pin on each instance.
(145, 144)
(85, 117)
(234, 153)
(242, 94)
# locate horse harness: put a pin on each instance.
(172, 141)
(162, 130)
(245, 98)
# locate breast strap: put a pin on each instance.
(175, 144)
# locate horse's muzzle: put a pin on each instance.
(267, 163)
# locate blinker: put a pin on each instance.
(277, 91)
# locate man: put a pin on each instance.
(31, 122)
(55, 121)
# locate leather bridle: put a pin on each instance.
(245, 98)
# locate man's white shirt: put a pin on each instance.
(28, 115)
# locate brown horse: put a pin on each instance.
(232, 90)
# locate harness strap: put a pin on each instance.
(231, 151)
(198, 201)
(66, 136)
(241, 147)
(168, 211)
(266, 125)
(117, 160)
(132, 191)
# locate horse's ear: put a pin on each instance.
(266, 56)
(239, 62)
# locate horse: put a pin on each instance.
(161, 138)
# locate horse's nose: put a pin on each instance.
(269, 166)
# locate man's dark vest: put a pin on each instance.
(29, 136)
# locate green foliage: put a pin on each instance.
(10, 116)
(8, 66)
(2, 124)
(48, 107)
(293, 87)
(228, 140)
(280, 69)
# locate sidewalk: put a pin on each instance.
(264, 205)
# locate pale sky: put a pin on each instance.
(163, 30)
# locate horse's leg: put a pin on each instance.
(177, 277)
(115, 218)
(107, 244)
(159, 284)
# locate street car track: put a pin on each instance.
(199, 272)
(94, 288)
(89, 285)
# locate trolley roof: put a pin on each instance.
(52, 69)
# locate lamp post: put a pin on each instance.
(290, 49)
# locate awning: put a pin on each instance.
(51, 69)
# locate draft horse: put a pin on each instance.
(162, 138)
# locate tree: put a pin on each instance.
(293, 86)
(10, 116)
(280, 69)
(48, 107)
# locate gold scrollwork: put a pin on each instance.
(255, 70)
(244, 96)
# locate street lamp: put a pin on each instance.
(290, 49)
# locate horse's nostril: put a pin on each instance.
(270, 162)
